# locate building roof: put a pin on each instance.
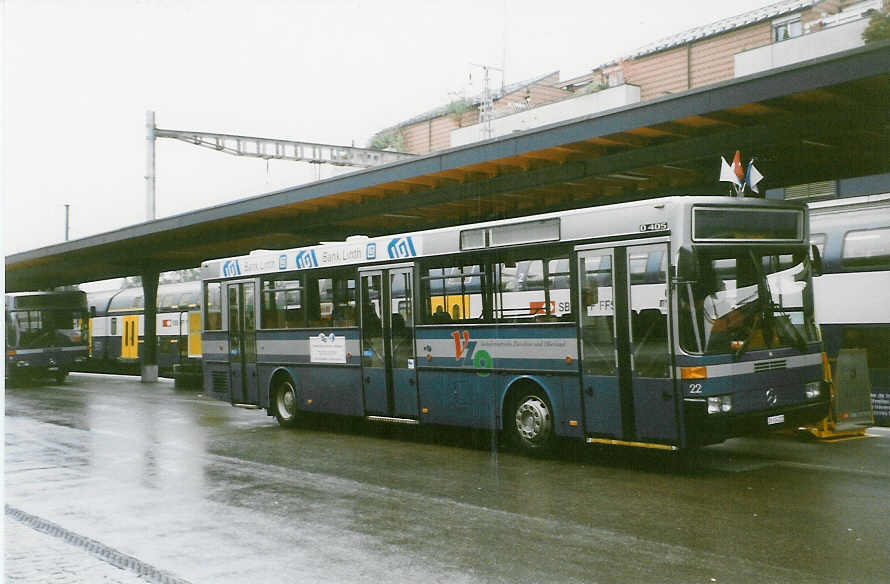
(719, 27)
(474, 100)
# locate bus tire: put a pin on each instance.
(531, 422)
(285, 403)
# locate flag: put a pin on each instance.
(727, 174)
(752, 177)
(737, 168)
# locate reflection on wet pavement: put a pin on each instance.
(218, 494)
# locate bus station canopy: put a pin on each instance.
(824, 119)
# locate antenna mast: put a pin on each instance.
(486, 113)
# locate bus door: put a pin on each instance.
(388, 373)
(627, 384)
(242, 343)
(130, 337)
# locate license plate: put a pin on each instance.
(775, 419)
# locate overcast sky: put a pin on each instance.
(78, 76)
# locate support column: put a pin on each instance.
(150, 336)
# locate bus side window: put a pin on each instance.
(11, 332)
(453, 294)
(344, 302)
(282, 304)
(320, 303)
(212, 307)
(330, 302)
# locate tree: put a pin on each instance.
(456, 109)
(878, 28)
(388, 139)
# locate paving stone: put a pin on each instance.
(39, 558)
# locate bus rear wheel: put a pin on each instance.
(531, 423)
(286, 403)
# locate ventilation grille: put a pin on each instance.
(220, 381)
(761, 366)
(816, 190)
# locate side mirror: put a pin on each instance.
(816, 261)
(92, 312)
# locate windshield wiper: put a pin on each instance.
(786, 326)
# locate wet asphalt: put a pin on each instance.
(205, 492)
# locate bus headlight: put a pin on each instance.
(814, 389)
(719, 404)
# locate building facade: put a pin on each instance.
(776, 35)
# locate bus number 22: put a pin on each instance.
(694, 388)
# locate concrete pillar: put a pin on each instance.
(150, 336)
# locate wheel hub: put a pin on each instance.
(533, 420)
(287, 401)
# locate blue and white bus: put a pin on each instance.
(46, 334)
(667, 323)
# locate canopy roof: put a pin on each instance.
(822, 119)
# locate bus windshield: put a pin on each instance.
(30, 329)
(747, 299)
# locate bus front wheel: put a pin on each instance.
(531, 423)
(286, 403)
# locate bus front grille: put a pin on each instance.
(773, 365)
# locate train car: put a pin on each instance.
(117, 331)
(853, 294)
(46, 334)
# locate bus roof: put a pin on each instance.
(45, 299)
(661, 215)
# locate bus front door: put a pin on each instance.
(627, 386)
(387, 323)
(243, 388)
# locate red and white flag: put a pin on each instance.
(737, 168)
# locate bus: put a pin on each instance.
(117, 331)
(46, 334)
(852, 307)
(667, 323)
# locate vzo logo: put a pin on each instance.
(306, 259)
(401, 247)
(465, 350)
(231, 268)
